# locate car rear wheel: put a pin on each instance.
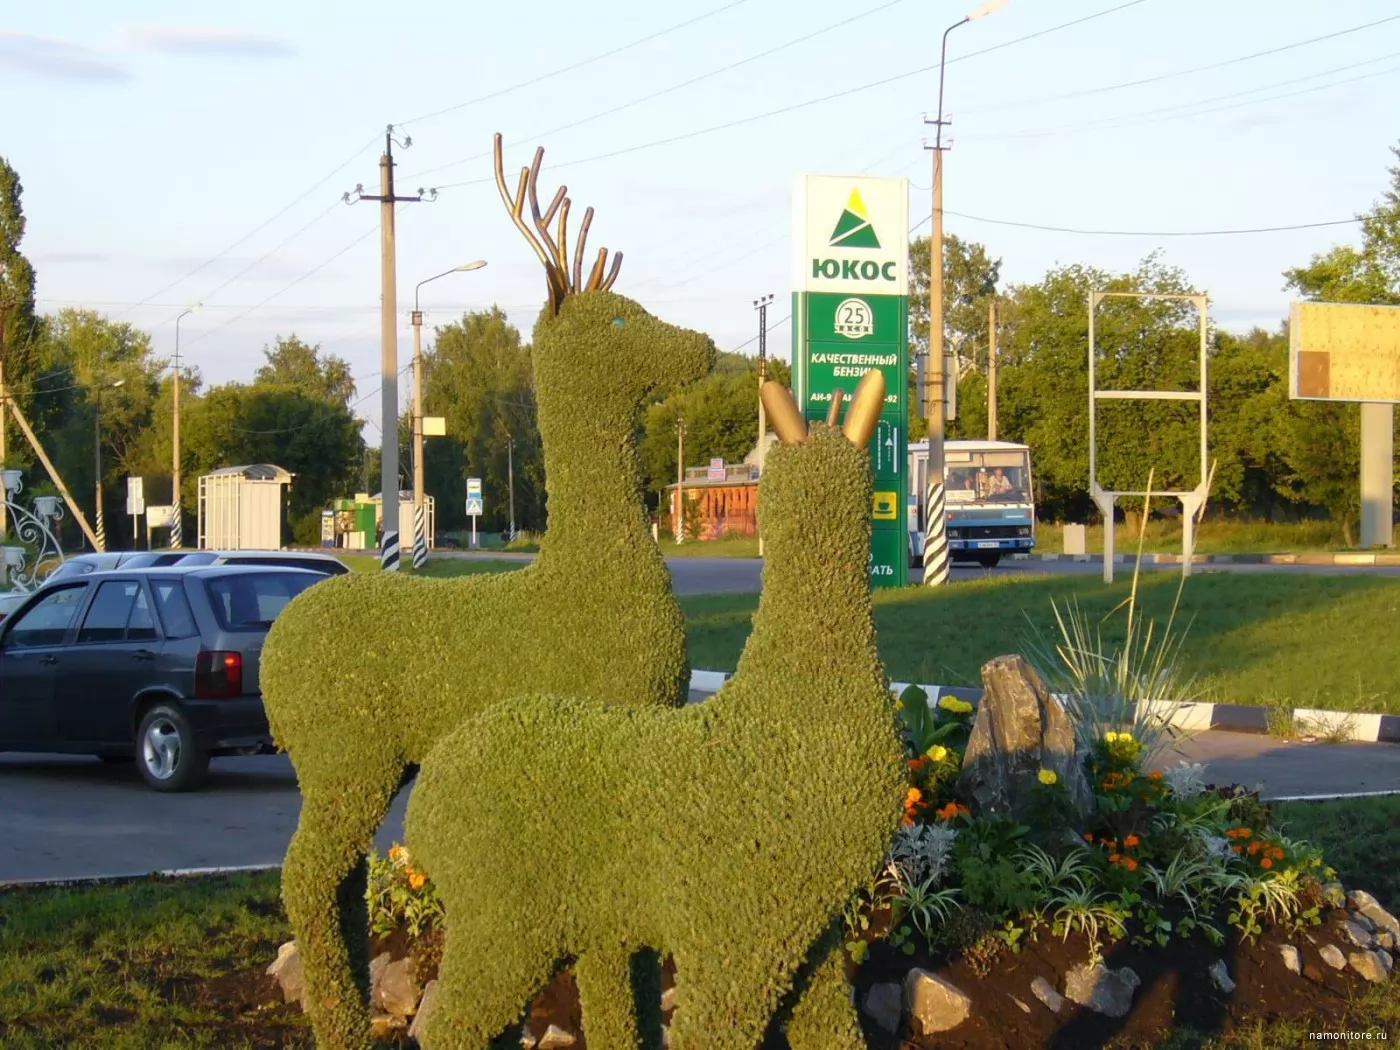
(167, 753)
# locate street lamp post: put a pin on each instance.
(420, 538)
(101, 528)
(936, 558)
(177, 523)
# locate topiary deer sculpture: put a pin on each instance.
(728, 835)
(593, 615)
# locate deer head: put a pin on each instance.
(592, 346)
(553, 250)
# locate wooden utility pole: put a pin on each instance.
(992, 369)
(389, 345)
(53, 472)
(680, 479)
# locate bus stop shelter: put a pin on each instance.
(243, 508)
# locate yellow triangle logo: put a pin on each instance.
(855, 204)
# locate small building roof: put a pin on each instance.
(253, 472)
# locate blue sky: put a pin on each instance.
(156, 135)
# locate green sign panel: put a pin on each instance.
(851, 314)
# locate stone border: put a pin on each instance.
(1238, 718)
(1309, 558)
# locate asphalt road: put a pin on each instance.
(69, 818)
(738, 575)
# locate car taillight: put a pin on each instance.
(218, 675)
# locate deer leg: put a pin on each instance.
(323, 889)
(606, 995)
(485, 981)
(825, 1016)
(723, 1005)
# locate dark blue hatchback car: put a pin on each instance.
(159, 665)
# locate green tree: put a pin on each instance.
(19, 327)
(970, 277)
(318, 443)
(291, 362)
(478, 377)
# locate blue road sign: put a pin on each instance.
(474, 506)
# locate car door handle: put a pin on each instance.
(143, 654)
(47, 659)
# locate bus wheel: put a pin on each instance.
(989, 559)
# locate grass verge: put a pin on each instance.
(1274, 639)
(1213, 537)
(439, 568)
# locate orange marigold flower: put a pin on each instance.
(1238, 849)
(1156, 774)
(1113, 858)
(1255, 847)
(1088, 836)
(1277, 852)
(1266, 863)
(417, 880)
(1130, 864)
(1131, 841)
(1245, 833)
(912, 797)
(907, 822)
(917, 764)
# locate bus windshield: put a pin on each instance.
(993, 476)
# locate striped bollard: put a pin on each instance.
(389, 552)
(177, 527)
(420, 536)
(101, 530)
(936, 560)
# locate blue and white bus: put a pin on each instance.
(991, 507)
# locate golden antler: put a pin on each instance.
(833, 414)
(783, 413)
(864, 414)
(553, 250)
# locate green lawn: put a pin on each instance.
(1270, 638)
(1213, 537)
(441, 568)
(152, 965)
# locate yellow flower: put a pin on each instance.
(954, 706)
(397, 854)
(1048, 777)
(938, 753)
(417, 879)
(1110, 737)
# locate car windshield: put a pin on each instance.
(250, 601)
(989, 477)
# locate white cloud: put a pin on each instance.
(206, 40)
(60, 59)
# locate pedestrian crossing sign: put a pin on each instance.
(474, 506)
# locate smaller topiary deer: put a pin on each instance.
(728, 834)
(594, 614)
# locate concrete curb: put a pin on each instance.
(1319, 558)
(1238, 718)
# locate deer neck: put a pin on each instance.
(813, 638)
(592, 478)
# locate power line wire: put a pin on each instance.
(672, 88)
(1148, 233)
(739, 122)
(576, 65)
(1136, 119)
(262, 226)
(1044, 99)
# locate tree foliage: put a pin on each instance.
(293, 363)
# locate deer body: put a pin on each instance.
(727, 834)
(363, 674)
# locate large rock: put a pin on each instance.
(1359, 936)
(1369, 965)
(1220, 974)
(397, 991)
(1020, 729)
(1365, 904)
(884, 1004)
(556, 1038)
(287, 970)
(1292, 958)
(1045, 992)
(1105, 991)
(934, 1005)
(425, 1007)
(1333, 957)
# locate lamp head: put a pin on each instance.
(986, 9)
(466, 267)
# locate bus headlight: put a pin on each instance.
(1024, 530)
